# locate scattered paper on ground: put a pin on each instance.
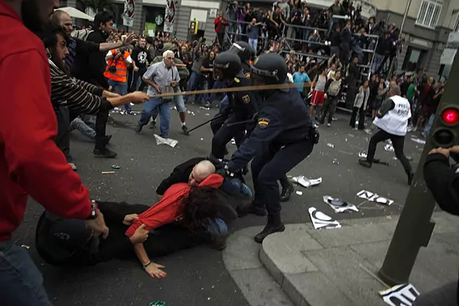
(321, 220)
(404, 294)
(306, 182)
(389, 148)
(299, 192)
(362, 155)
(373, 197)
(417, 140)
(330, 145)
(339, 205)
(167, 141)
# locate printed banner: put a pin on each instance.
(170, 15)
(128, 13)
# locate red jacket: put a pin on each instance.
(219, 23)
(30, 162)
(170, 209)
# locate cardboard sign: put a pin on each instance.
(321, 220)
(400, 295)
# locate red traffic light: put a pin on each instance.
(450, 116)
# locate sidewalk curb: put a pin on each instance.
(290, 258)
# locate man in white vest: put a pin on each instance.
(392, 121)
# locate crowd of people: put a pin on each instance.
(78, 76)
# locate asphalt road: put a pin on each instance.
(198, 276)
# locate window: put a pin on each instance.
(414, 59)
(429, 13)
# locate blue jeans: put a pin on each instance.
(21, 284)
(217, 85)
(178, 101)
(429, 125)
(254, 44)
(163, 108)
(120, 88)
(78, 124)
(223, 104)
(234, 186)
(377, 61)
(216, 228)
(192, 84)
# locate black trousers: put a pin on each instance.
(221, 38)
(268, 167)
(397, 142)
(101, 129)
(63, 133)
(361, 111)
(224, 134)
(330, 108)
(350, 93)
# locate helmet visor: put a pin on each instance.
(264, 73)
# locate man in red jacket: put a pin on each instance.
(30, 162)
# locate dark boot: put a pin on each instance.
(287, 189)
(252, 208)
(274, 225)
(219, 243)
(365, 163)
(410, 178)
(100, 150)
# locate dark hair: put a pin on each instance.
(199, 205)
(49, 35)
(102, 17)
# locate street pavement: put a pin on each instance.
(198, 276)
(340, 266)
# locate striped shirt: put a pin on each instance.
(79, 96)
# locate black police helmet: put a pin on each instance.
(270, 68)
(227, 66)
(243, 50)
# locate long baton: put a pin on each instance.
(225, 90)
(204, 123)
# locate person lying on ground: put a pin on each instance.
(196, 208)
(194, 171)
(69, 243)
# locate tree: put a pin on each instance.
(100, 5)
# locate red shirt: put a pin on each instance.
(170, 209)
(30, 162)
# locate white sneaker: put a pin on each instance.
(74, 167)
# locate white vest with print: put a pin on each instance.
(396, 120)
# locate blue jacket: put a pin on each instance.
(283, 118)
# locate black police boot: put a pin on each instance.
(365, 163)
(252, 208)
(287, 189)
(274, 225)
(410, 178)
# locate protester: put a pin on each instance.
(30, 162)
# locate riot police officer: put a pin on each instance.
(242, 105)
(283, 137)
(246, 55)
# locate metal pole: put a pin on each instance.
(415, 226)
(407, 8)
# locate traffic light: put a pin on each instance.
(446, 134)
(415, 225)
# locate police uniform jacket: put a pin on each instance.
(245, 104)
(282, 119)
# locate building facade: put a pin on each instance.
(425, 33)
